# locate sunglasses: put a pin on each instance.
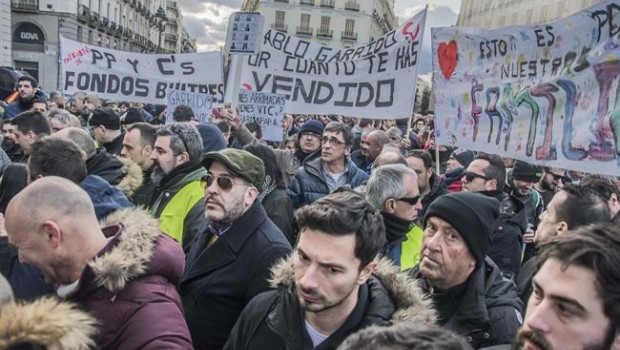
(223, 182)
(334, 141)
(410, 200)
(562, 178)
(469, 176)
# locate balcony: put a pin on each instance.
(349, 36)
(306, 2)
(103, 24)
(83, 14)
(352, 6)
(281, 1)
(25, 5)
(119, 31)
(170, 37)
(325, 33)
(304, 31)
(94, 19)
(328, 3)
(280, 27)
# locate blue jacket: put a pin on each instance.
(105, 197)
(19, 106)
(309, 184)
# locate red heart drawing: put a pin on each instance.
(448, 58)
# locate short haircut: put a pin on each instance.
(33, 121)
(578, 198)
(82, 139)
(183, 113)
(344, 212)
(123, 104)
(602, 185)
(495, 170)
(426, 157)
(594, 247)
(32, 80)
(79, 95)
(341, 128)
(389, 157)
(94, 99)
(64, 117)
(147, 133)
(56, 156)
(364, 122)
(256, 129)
(268, 156)
(405, 336)
(386, 182)
(379, 136)
(184, 137)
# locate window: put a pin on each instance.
(305, 21)
(280, 19)
(80, 34)
(325, 24)
(349, 25)
(90, 36)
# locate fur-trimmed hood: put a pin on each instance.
(56, 325)
(133, 179)
(139, 250)
(404, 292)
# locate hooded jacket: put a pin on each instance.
(272, 320)
(490, 311)
(105, 197)
(309, 183)
(120, 172)
(130, 286)
(46, 322)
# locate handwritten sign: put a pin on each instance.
(266, 110)
(199, 103)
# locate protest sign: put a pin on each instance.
(373, 81)
(267, 110)
(199, 103)
(130, 76)
(546, 94)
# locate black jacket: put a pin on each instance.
(361, 161)
(273, 320)
(490, 312)
(220, 280)
(278, 206)
(115, 146)
(437, 189)
(106, 166)
(142, 195)
(524, 281)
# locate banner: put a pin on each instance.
(374, 81)
(545, 94)
(130, 76)
(267, 110)
(199, 103)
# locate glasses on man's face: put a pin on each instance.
(469, 176)
(332, 140)
(562, 178)
(309, 134)
(410, 200)
(224, 182)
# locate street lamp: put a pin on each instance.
(161, 24)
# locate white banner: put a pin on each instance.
(374, 81)
(546, 94)
(130, 76)
(267, 110)
(199, 103)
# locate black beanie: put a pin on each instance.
(526, 171)
(106, 117)
(473, 215)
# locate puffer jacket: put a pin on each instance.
(309, 183)
(272, 320)
(19, 106)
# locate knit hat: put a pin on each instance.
(525, 171)
(132, 116)
(463, 156)
(212, 138)
(314, 126)
(473, 215)
(239, 162)
(106, 117)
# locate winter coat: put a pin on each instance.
(116, 145)
(26, 281)
(437, 189)
(272, 320)
(533, 202)
(47, 323)
(4, 161)
(361, 161)
(142, 195)
(19, 106)
(278, 206)
(309, 183)
(490, 312)
(120, 172)
(105, 197)
(130, 286)
(220, 279)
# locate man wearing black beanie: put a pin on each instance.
(470, 294)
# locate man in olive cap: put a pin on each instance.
(229, 263)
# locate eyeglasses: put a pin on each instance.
(469, 176)
(309, 134)
(334, 141)
(562, 178)
(224, 182)
(410, 200)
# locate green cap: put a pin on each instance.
(240, 163)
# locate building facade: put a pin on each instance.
(5, 32)
(336, 23)
(37, 25)
(500, 13)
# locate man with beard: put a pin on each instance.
(576, 293)
(178, 198)
(331, 286)
(393, 190)
(29, 127)
(429, 183)
(471, 295)
(138, 146)
(229, 263)
(9, 145)
(309, 139)
(371, 145)
(27, 87)
(552, 181)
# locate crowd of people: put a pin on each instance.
(121, 231)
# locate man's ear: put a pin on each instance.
(52, 233)
(367, 272)
(389, 205)
(147, 150)
(561, 228)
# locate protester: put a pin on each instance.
(470, 293)
(607, 188)
(457, 163)
(551, 182)
(28, 127)
(371, 145)
(393, 190)
(576, 292)
(138, 145)
(229, 263)
(105, 126)
(333, 169)
(404, 336)
(14, 179)
(123, 274)
(27, 87)
(61, 119)
(331, 286)
(430, 184)
(9, 146)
